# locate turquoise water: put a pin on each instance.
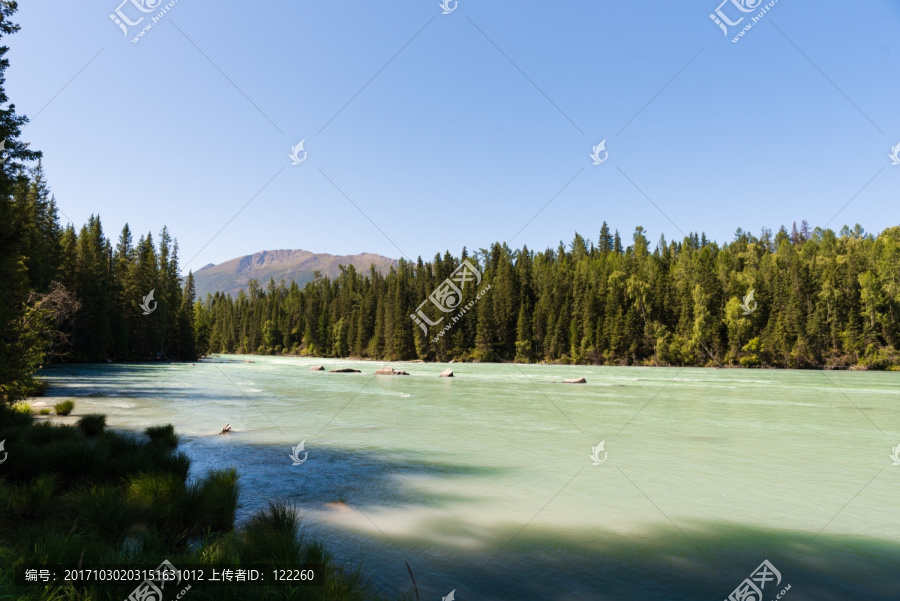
(484, 482)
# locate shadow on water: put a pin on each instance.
(660, 563)
(704, 560)
(328, 475)
(106, 380)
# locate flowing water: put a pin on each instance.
(485, 483)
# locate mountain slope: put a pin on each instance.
(297, 265)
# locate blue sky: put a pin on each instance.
(457, 129)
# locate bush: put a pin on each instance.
(32, 499)
(102, 510)
(10, 418)
(45, 411)
(210, 503)
(272, 536)
(154, 494)
(36, 388)
(163, 435)
(92, 424)
(64, 408)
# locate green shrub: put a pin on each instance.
(163, 435)
(32, 499)
(210, 503)
(10, 418)
(36, 388)
(103, 510)
(92, 424)
(154, 494)
(64, 408)
(45, 411)
(273, 536)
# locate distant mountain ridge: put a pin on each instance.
(299, 266)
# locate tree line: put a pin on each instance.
(819, 299)
(72, 295)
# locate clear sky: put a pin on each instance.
(427, 132)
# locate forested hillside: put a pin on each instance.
(820, 298)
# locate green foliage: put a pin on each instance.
(163, 435)
(45, 411)
(272, 536)
(92, 424)
(98, 508)
(820, 299)
(64, 407)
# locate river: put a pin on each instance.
(486, 485)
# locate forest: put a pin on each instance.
(819, 299)
(74, 296)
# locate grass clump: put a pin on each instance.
(64, 408)
(92, 424)
(71, 495)
(163, 435)
(45, 411)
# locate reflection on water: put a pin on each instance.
(484, 481)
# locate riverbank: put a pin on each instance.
(85, 495)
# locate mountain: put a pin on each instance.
(297, 265)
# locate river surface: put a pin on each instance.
(485, 483)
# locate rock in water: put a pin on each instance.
(575, 381)
(345, 370)
(316, 368)
(390, 371)
(447, 373)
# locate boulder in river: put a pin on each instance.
(345, 370)
(447, 373)
(575, 381)
(390, 371)
(316, 368)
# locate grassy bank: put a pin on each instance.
(84, 494)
